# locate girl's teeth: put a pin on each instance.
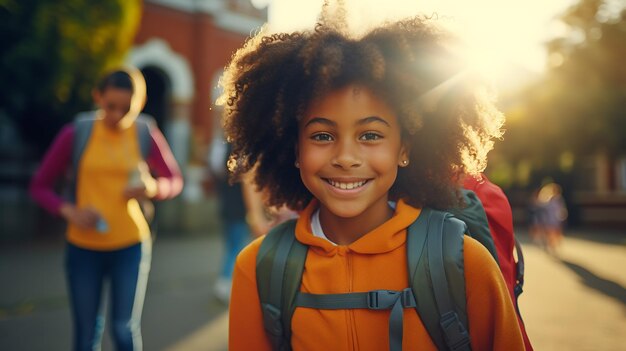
(346, 186)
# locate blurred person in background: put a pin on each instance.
(232, 211)
(243, 213)
(535, 230)
(547, 215)
(261, 217)
(552, 215)
(108, 237)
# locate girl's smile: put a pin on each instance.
(349, 150)
(347, 188)
(347, 184)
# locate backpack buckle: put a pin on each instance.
(455, 334)
(408, 299)
(381, 299)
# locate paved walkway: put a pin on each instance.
(34, 313)
(576, 301)
(573, 301)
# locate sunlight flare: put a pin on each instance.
(501, 36)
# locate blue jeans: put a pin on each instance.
(127, 271)
(236, 236)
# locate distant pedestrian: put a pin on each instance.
(232, 209)
(259, 216)
(551, 215)
(243, 214)
(534, 210)
(108, 238)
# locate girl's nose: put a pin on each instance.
(347, 155)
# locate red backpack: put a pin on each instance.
(500, 218)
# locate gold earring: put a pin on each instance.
(405, 163)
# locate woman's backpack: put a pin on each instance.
(83, 124)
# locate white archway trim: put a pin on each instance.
(156, 52)
(218, 9)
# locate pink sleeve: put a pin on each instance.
(55, 163)
(162, 163)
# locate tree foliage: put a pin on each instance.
(52, 54)
(579, 107)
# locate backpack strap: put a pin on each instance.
(144, 123)
(83, 124)
(519, 268)
(373, 300)
(280, 263)
(454, 329)
(438, 280)
(437, 284)
(279, 267)
(519, 278)
(474, 215)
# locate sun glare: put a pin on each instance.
(502, 36)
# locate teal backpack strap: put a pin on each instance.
(280, 263)
(144, 123)
(373, 300)
(437, 284)
(443, 252)
(83, 123)
(474, 215)
(437, 278)
(279, 267)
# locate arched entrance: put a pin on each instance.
(158, 103)
(170, 92)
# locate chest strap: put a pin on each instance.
(373, 300)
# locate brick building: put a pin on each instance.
(182, 47)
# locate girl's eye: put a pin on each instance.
(370, 136)
(322, 137)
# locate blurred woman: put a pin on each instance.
(108, 238)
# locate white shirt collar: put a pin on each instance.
(316, 226)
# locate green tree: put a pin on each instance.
(52, 54)
(579, 107)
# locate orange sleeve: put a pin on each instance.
(492, 319)
(246, 330)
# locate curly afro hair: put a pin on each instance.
(447, 120)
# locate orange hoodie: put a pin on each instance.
(375, 261)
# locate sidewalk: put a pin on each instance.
(574, 302)
(34, 312)
(577, 299)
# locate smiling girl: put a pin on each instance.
(360, 134)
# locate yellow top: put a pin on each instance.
(107, 163)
